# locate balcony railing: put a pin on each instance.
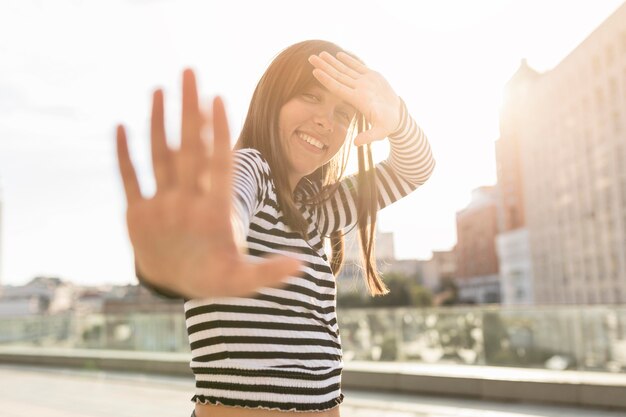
(581, 338)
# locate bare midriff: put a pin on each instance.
(211, 410)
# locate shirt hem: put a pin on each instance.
(299, 408)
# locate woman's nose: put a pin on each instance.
(324, 118)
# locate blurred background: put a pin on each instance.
(512, 255)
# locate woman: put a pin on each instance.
(241, 234)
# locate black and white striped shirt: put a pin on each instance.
(280, 349)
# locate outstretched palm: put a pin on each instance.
(183, 236)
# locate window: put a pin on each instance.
(610, 55)
(614, 263)
(595, 65)
(599, 99)
(613, 90)
(601, 271)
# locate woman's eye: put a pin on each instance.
(311, 97)
(345, 115)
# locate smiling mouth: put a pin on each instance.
(311, 141)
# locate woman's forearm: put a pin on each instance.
(410, 154)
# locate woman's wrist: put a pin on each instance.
(402, 118)
(163, 292)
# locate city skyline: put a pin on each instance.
(62, 202)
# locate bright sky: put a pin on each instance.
(71, 70)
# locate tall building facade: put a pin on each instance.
(512, 242)
(571, 130)
(477, 262)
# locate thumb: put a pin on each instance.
(273, 270)
(280, 266)
(369, 136)
(362, 138)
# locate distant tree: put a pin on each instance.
(399, 295)
(403, 292)
(447, 294)
(421, 296)
(351, 300)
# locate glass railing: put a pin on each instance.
(581, 338)
(155, 332)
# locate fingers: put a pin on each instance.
(362, 138)
(127, 171)
(369, 136)
(334, 86)
(340, 66)
(162, 160)
(191, 146)
(352, 63)
(334, 68)
(221, 167)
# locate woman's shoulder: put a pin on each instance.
(250, 158)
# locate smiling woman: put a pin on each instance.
(313, 127)
(240, 235)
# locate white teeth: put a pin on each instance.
(311, 140)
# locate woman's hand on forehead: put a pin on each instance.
(183, 236)
(366, 90)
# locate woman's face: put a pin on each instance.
(313, 127)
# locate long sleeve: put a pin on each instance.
(409, 165)
(250, 179)
(251, 176)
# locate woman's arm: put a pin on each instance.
(409, 165)
(410, 162)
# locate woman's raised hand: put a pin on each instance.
(364, 89)
(183, 236)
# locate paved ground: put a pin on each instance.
(42, 392)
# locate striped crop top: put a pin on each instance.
(280, 348)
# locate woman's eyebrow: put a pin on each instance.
(325, 90)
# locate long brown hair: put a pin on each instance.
(288, 75)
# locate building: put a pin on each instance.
(512, 242)
(410, 268)
(350, 278)
(138, 319)
(476, 258)
(439, 268)
(385, 250)
(42, 295)
(571, 130)
(137, 299)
